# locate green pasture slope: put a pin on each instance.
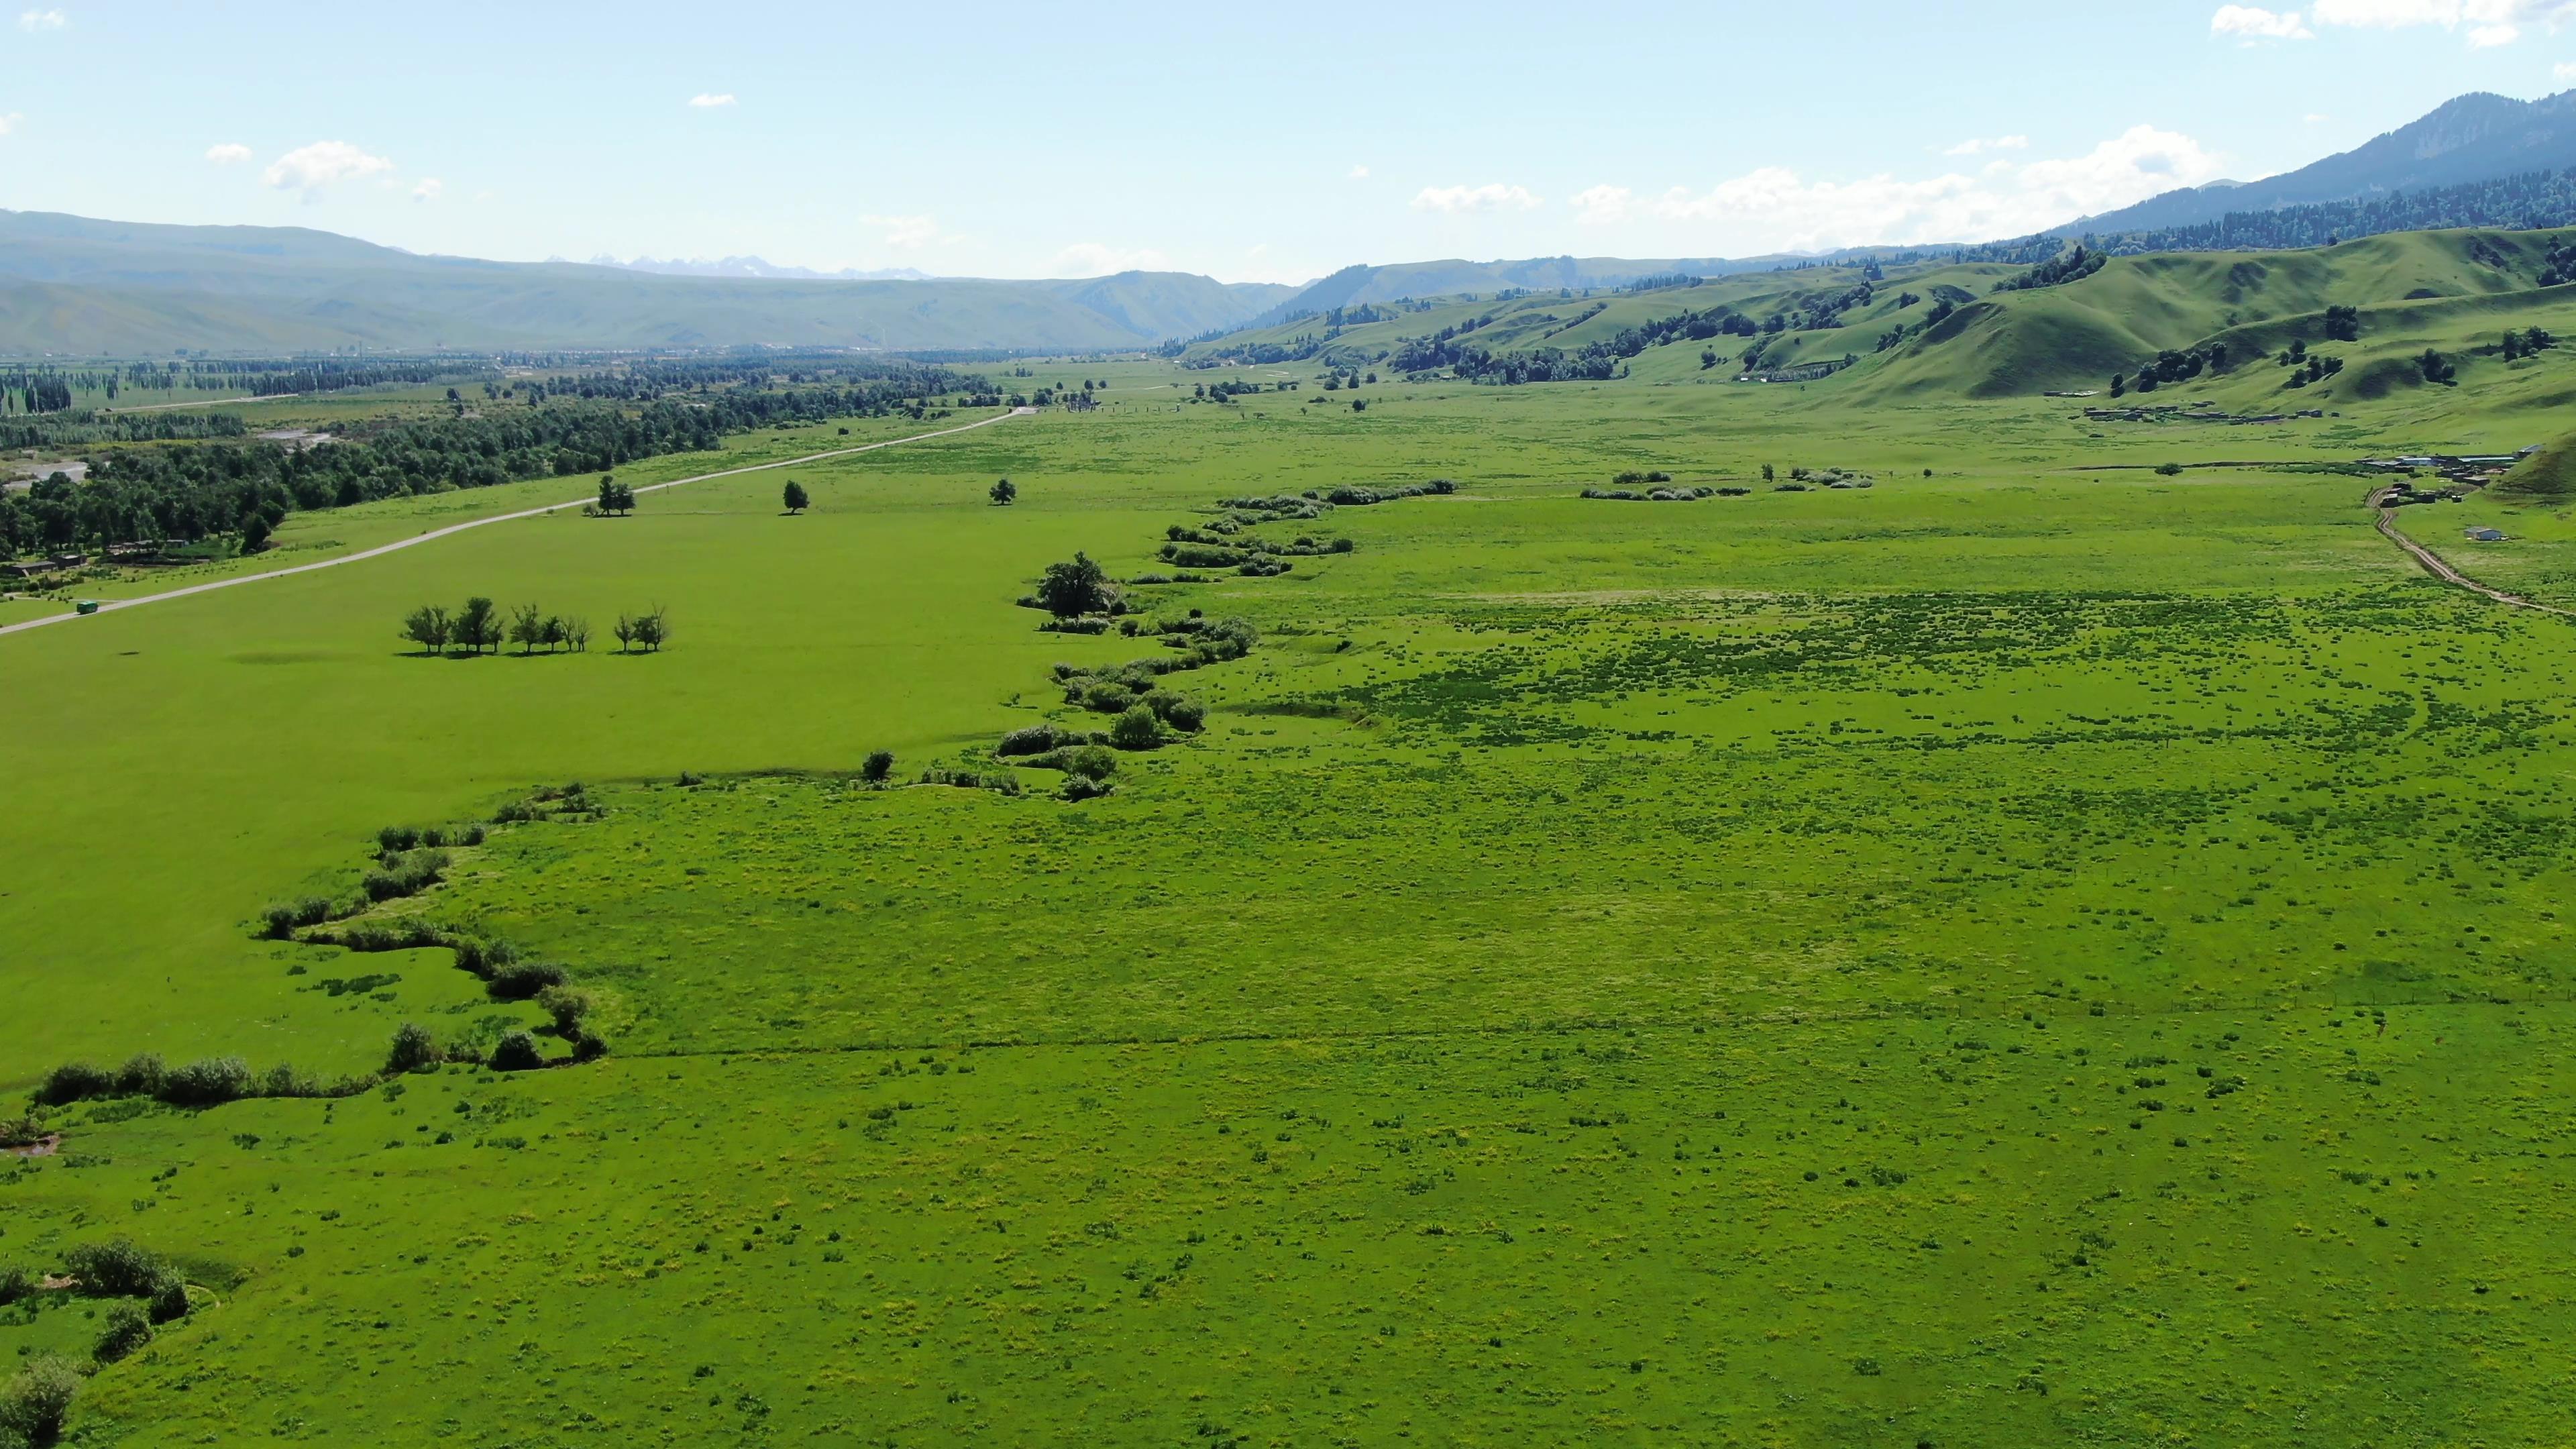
(2040, 951)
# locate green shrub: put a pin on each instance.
(36, 1402)
(414, 1049)
(207, 1082)
(1185, 715)
(283, 1080)
(1137, 729)
(1080, 787)
(568, 1006)
(1035, 739)
(1106, 697)
(878, 766)
(76, 1082)
(522, 980)
(517, 1052)
(168, 1300)
(17, 1281)
(1090, 762)
(141, 1075)
(407, 875)
(120, 1268)
(483, 957)
(126, 1329)
(284, 920)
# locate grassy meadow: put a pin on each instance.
(2035, 948)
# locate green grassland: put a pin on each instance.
(2035, 948)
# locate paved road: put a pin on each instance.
(109, 606)
(2432, 562)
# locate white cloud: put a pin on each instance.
(1973, 146)
(1359, 173)
(906, 231)
(1492, 196)
(2313, 117)
(428, 189)
(1773, 208)
(2490, 22)
(228, 154)
(708, 100)
(1604, 205)
(35, 21)
(2565, 70)
(9, 122)
(2255, 23)
(1096, 259)
(324, 163)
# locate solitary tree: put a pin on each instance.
(793, 495)
(615, 497)
(624, 629)
(1070, 590)
(878, 765)
(1003, 493)
(427, 626)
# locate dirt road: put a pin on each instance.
(2432, 562)
(110, 606)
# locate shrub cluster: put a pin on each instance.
(1653, 495)
(208, 1082)
(404, 873)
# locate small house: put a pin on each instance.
(2487, 535)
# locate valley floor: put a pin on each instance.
(2034, 948)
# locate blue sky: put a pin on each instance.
(1252, 143)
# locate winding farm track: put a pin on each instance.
(109, 606)
(2386, 519)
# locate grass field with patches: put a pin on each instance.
(2041, 950)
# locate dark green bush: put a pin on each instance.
(207, 1082)
(414, 1049)
(483, 957)
(141, 1075)
(119, 1268)
(517, 1052)
(877, 767)
(36, 1402)
(567, 1005)
(1137, 729)
(1090, 762)
(1081, 787)
(522, 980)
(1181, 713)
(168, 1300)
(17, 1281)
(284, 920)
(76, 1082)
(125, 1330)
(1035, 739)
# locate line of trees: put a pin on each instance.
(188, 493)
(482, 627)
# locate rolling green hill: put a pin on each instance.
(2454, 292)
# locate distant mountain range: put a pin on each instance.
(70, 285)
(2477, 137)
(754, 267)
(102, 288)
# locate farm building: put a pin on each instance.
(2487, 535)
